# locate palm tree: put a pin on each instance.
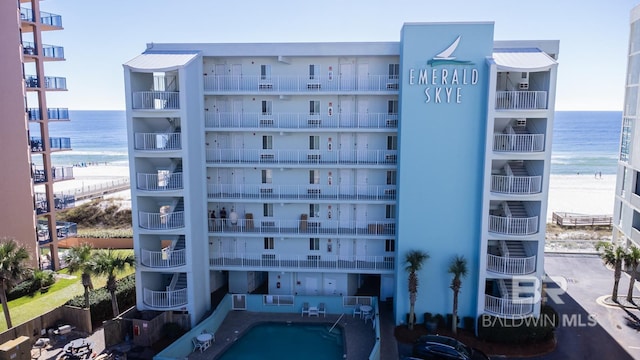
(612, 256)
(414, 260)
(12, 269)
(458, 268)
(110, 263)
(632, 260)
(79, 258)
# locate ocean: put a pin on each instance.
(584, 142)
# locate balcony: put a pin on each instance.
(164, 258)
(300, 84)
(303, 227)
(62, 201)
(156, 100)
(507, 307)
(160, 221)
(34, 114)
(50, 82)
(165, 299)
(518, 139)
(58, 173)
(301, 262)
(303, 157)
(521, 100)
(301, 192)
(50, 52)
(507, 265)
(154, 182)
(55, 143)
(513, 178)
(301, 121)
(49, 20)
(512, 219)
(63, 231)
(158, 141)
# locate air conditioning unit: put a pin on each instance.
(266, 191)
(524, 81)
(521, 122)
(266, 122)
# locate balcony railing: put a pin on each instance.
(159, 221)
(50, 82)
(323, 262)
(165, 299)
(55, 52)
(59, 173)
(509, 225)
(156, 100)
(50, 19)
(292, 157)
(309, 226)
(516, 184)
(26, 14)
(55, 143)
(301, 192)
(511, 265)
(521, 100)
(158, 141)
(518, 142)
(63, 230)
(507, 307)
(153, 182)
(62, 201)
(315, 84)
(164, 258)
(52, 114)
(301, 120)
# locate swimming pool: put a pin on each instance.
(271, 341)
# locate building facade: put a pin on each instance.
(626, 212)
(29, 172)
(312, 168)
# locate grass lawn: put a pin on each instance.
(27, 307)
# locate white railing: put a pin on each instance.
(300, 120)
(164, 258)
(513, 225)
(507, 307)
(301, 192)
(156, 100)
(518, 142)
(278, 300)
(521, 100)
(353, 300)
(158, 141)
(292, 157)
(165, 299)
(243, 83)
(310, 226)
(511, 265)
(153, 182)
(312, 261)
(516, 184)
(158, 221)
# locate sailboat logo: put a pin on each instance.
(445, 57)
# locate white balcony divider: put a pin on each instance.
(518, 142)
(508, 307)
(516, 184)
(156, 100)
(164, 258)
(153, 182)
(158, 221)
(62, 172)
(521, 100)
(310, 226)
(158, 141)
(292, 157)
(511, 265)
(165, 299)
(301, 120)
(317, 84)
(281, 261)
(513, 225)
(300, 192)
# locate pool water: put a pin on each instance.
(277, 341)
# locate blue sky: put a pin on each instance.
(100, 36)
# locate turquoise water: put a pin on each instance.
(278, 341)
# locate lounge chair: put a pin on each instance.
(357, 311)
(322, 309)
(369, 316)
(305, 309)
(197, 345)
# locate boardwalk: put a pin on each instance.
(572, 219)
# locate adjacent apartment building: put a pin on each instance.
(627, 197)
(28, 170)
(313, 168)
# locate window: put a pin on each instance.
(625, 139)
(267, 210)
(392, 107)
(391, 177)
(394, 71)
(314, 107)
(266, 107)
(267, 142)
(314, 177)
(314, 210)
(314, 72)
(390, 211)
(267, 176)
(314, 142)
(265, 72)
(314, 244)
(392, 142)
(390, 245)
(268, 243)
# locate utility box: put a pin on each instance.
(16, 349)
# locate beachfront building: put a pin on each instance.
(313, 168)
(626, 224)
(28, 170)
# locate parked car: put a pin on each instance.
(436, 347)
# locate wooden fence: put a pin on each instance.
(570, 219)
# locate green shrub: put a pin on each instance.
(105, 233)
(100, 299)
(98, 213)
(38, 280)
(518, 330)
